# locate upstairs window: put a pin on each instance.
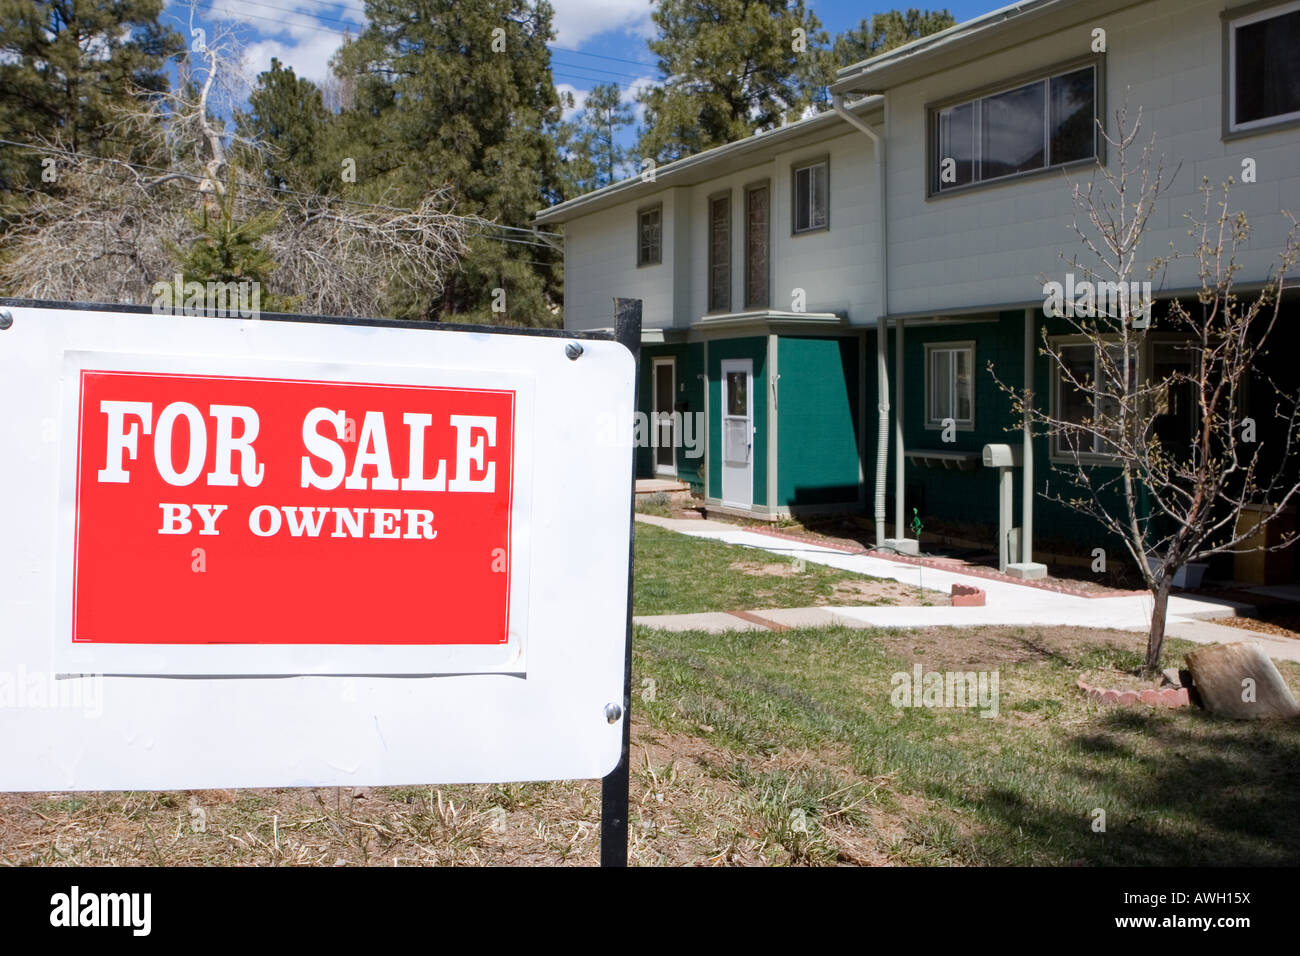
(812, 184)
(1264, 68)
(649, 249)
(757, 247)
(720, 253)
(1041, 125)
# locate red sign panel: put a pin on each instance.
(228, 510)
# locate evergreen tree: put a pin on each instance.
(594, 156)
(228, 249)
(288, 115)
(884, 31)
(65, 65)
(460, 92)
(734, 67)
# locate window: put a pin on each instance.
(720, 253)
(812, 185)
(649, 249)
(1040, 125)
(1093, 404)
(757, 209)
(1264, 68)
(949, 384)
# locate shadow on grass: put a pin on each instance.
(1195, 790)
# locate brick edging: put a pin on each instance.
(1165, 697)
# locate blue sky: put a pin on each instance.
(598, 40)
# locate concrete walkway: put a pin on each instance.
(1006, 602)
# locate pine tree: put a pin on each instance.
(65, 65)
(884, 31)
(460, 92)
(734, 67)
(228, 250)
(287, 114)
(594, 156)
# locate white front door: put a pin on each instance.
(738, 433)
(664, 425)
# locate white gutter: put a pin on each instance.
(882, 327)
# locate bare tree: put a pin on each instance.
(1172, 495)
(109, 229)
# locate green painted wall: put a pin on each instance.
(971, 497)
(754, 348)
(818, 421)
(689, 400)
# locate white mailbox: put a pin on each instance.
(1002, 456)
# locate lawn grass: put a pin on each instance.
(1176, 786)
(759, 747)
(678, 574)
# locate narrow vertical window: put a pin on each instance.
(757, 246)
(720, 254)
(649, 247)
(812, 197)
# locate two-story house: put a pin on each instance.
(829, 296)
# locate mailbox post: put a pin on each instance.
(1003, 458)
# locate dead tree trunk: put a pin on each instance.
(1238, 680)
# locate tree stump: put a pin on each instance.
(1238, 680)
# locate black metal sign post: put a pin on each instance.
(614, 787)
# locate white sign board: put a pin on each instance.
(244, 553)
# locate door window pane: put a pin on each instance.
(737, 400)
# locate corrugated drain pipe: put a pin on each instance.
(882, 325)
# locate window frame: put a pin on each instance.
(932, 110)
(659, 245)
(710, 308)
(767, 278)
(1244, 16)
(931, 422)
(795, 169)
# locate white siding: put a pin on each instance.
(984, 247)
(600, 249)
(988, 246)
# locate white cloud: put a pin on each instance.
(633, 91)
(579, 20)
(298, 39)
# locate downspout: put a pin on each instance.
(882, 328)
